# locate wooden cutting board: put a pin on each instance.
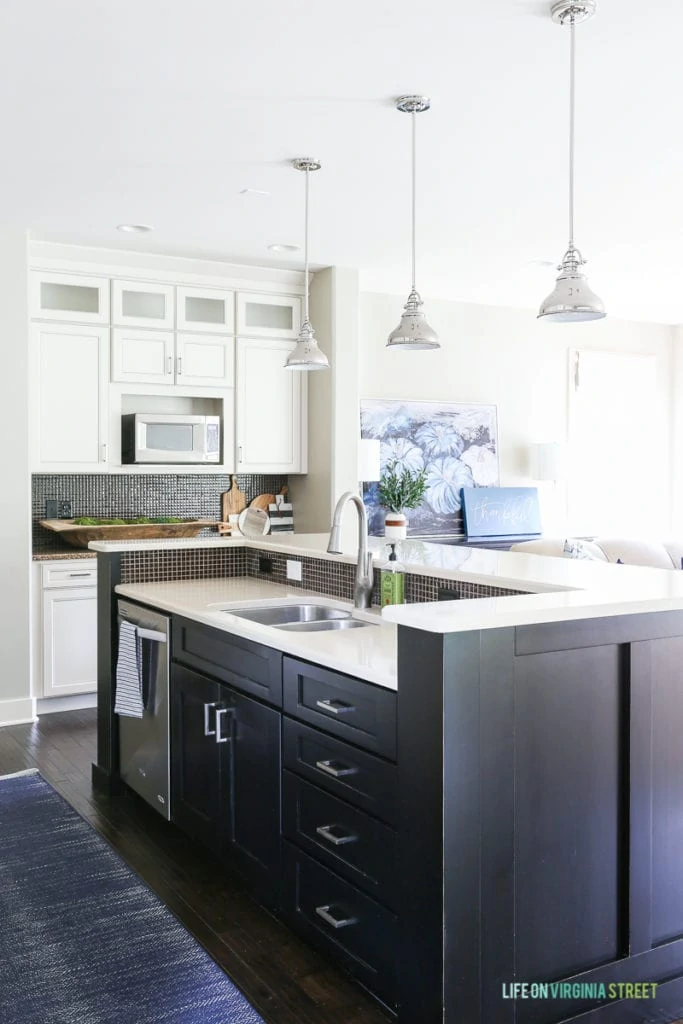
(262, 501)
(233, 501)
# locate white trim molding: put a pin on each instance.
(18, 711)
(74, 702)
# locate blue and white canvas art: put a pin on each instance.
(456, 444)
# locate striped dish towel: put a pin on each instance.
(129, 673)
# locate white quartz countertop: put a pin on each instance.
(368, 653)
(558, 588)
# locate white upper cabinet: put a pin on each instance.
(142, 357)
(205, 361)
(162, 357)
(205, 309)
(138, 304)
(69, 397)
(271, 409)
(69, 297)
(268, 316)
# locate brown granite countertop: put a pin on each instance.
(49, 556)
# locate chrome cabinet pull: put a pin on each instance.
(337, 922)
(74, 574)
(207, 710)
(220, 738)
(170, 364)
(337, 707)
(180, 366)
(336, 769)
(104, 453)
(340, 839)
(239, 454)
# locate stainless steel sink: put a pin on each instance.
(305, 618)
(286, 614)
(321, 626)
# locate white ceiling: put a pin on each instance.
(161, 111)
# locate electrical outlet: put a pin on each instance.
(265, 565)
(51, 508)
(64, 510)
(294, 570)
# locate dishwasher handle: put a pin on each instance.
(151, 634)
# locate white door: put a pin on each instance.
(69, 641)
(71, 297)
(142, 357)
(69, 397)
(205, 359)
(268, 316)
(205, 309)
(271, 408)
(136, 304)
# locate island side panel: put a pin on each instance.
(420, 834)
(105, 772)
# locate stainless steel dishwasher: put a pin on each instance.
(144, 742)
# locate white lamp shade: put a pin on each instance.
(368, 460)
(549, 461)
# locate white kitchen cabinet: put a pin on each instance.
(138, 304)
(69, 640)
(208, 310)
(71, 297)
(268, 316)
(70, 372)
(205, 360)
(142, 357)
(271, 409)
(162, 357)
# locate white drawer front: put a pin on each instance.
(70, 574)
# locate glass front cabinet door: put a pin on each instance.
(208, 310)
(69, 297)
(268, 316)
(137, 304)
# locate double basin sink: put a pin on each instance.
(307, 618)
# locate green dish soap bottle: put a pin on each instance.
(392, 580)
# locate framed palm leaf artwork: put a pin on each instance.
(456, 446)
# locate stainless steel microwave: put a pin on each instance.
(164, 438)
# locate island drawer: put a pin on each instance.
(353, 929)
(349, 841)
(249, 667)
(359, 712)
(362, 779)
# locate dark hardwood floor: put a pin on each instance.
(282, 978)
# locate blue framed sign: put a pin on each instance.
(501, 512)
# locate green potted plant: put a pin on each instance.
(400, 490)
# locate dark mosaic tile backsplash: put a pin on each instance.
(126, 495)
(318, 575)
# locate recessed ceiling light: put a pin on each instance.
(258, 192)
(283, 247)
(134, 229)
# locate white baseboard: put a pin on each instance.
(76, 702)
(18, 711)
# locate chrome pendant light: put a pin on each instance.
(306, 355)
(572, 300)
(413, 332)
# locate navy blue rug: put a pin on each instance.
(82, 938)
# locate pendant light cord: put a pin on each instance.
(306, 251)
(572, 105)
(414, 135)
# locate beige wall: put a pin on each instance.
(506, 357)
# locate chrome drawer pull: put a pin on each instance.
(336, 922)
(337, 707)
(220, 738)
(337, 769)
(73, 574)
(338, 839)
(207, 709)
